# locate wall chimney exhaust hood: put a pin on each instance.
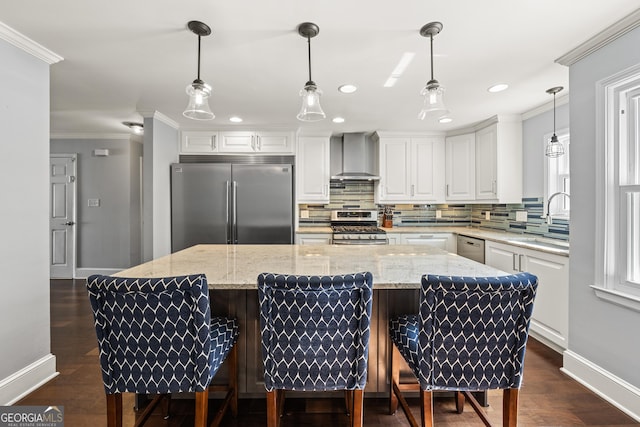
(357, 159)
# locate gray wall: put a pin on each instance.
(108, 236)
(534, 130)
(24, 252)
(601, 332)
(160, 148)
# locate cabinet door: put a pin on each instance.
(274, 142)
(312, 170)
(199, 142)
(427, 170)
(436, 240)
(237, 142)
(394, 238)
(502, 257)
(486, 163)
(550, 312)
(460, 167)
(395, 170)
(313, 239)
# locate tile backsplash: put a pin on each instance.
(359, 195)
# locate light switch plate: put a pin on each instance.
(521, 216)
(438, 213)
(304, 213)
(487, 215)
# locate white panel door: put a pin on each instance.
(486, 167)
(62, 215)
(395, 169)
(427, 170)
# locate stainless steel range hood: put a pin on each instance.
(354, 162)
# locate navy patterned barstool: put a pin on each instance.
(470, 335)
(315, 337)
(156, 336)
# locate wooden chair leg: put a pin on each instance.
(395, 378)
(114, 410)
(202, 406)
(232, 360)
(348, 401)
(510, 407)
(357, 410)
(166, 409)
(426, 408)
(273, 416)
(459, 402)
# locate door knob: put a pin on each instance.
(70, 223)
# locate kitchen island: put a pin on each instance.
(232, 272)
(236, 267)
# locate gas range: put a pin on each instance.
(357, 227)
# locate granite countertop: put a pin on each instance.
(238, 266)
(529, 241)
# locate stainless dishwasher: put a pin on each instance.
(472, 248)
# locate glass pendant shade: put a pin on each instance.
(554, 147)
(198, 107)
(311, 110)
(433, 106)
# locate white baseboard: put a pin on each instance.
(83, 273)
(611, 388)
(19, 384)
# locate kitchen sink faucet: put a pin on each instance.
(548, 214)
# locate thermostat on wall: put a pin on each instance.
(101, 152)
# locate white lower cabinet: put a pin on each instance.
(313, 239)
(444, 241)
(550, 321)
(394, 238)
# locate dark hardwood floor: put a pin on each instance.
(547, 397)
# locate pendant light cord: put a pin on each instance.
(431, 38)
(198, 56)
(309, 54)
(554, 113)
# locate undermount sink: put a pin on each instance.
(543, 243)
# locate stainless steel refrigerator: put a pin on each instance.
(231, 203)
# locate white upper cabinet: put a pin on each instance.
(411, 169)
(460, 159)
(229, 142)
(199, 142)
(256, 142)
(499, 162)
(313, 169)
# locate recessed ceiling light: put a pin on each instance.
(498, 87)
(338, 120)
(235, 119)
(348, 88)
(445, 120)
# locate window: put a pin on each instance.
(558, 177)
(619, 193)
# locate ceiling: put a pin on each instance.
(123, 58)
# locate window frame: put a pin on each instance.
(617, 136)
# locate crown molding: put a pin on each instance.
(87, 135)
(620, 28)
(156, 115)
(24, 43)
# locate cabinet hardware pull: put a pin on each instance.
(513, 264)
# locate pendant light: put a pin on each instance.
(311, 110)
(198, 91)
(554, 147)
(433, 106)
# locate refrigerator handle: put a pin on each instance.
(234, 204)
(228, 227)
